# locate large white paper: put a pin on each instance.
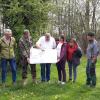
(38, 56)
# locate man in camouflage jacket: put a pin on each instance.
(25, 44)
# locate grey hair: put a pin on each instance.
(7, 31)
(26, 31)
(47, 34)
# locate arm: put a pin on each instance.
(21, 47)
(0, 47)
(95, 53)
(63, 52)
(30, 41)
(15, 44)
(54, 43)
(38, 43)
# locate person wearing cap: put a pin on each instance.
(25, 43)
(92, 53)
(74, 54)
(7, 46)
(46, 42)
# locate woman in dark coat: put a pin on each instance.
(61, 56)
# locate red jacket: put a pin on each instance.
(70, 51)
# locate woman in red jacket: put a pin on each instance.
(73, 58)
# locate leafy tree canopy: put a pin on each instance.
(25, 14)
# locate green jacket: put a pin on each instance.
(7, 50)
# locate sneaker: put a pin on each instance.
(14, 83)
(34, 81)
(43, 81)
(48, 81)
(63, 83)
(24, 82)
(74, 81)
(87, 85)
(3, 85)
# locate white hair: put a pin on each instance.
(7, 31)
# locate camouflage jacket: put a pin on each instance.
(25, 45)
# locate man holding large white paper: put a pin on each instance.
(44, 43)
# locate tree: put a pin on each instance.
(76, 18)
(25, 14)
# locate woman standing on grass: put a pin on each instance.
(73, 57)
(61, 56)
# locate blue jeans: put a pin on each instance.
(12, 63)
(45, 72)
(72, 67)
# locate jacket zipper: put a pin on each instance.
(9, 48)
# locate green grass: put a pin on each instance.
(52, 91)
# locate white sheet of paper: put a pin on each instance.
(38, 56)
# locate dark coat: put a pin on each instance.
(63, 53)
(76, 57)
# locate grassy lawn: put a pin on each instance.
(52, 91)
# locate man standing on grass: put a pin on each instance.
(46, 42)
(7, 48)
(92, 53)
(25, 44)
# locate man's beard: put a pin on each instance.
(90, 41)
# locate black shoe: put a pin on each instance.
(69, 80)
(88, 83)
(92, 86)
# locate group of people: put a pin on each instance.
(69, 52)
